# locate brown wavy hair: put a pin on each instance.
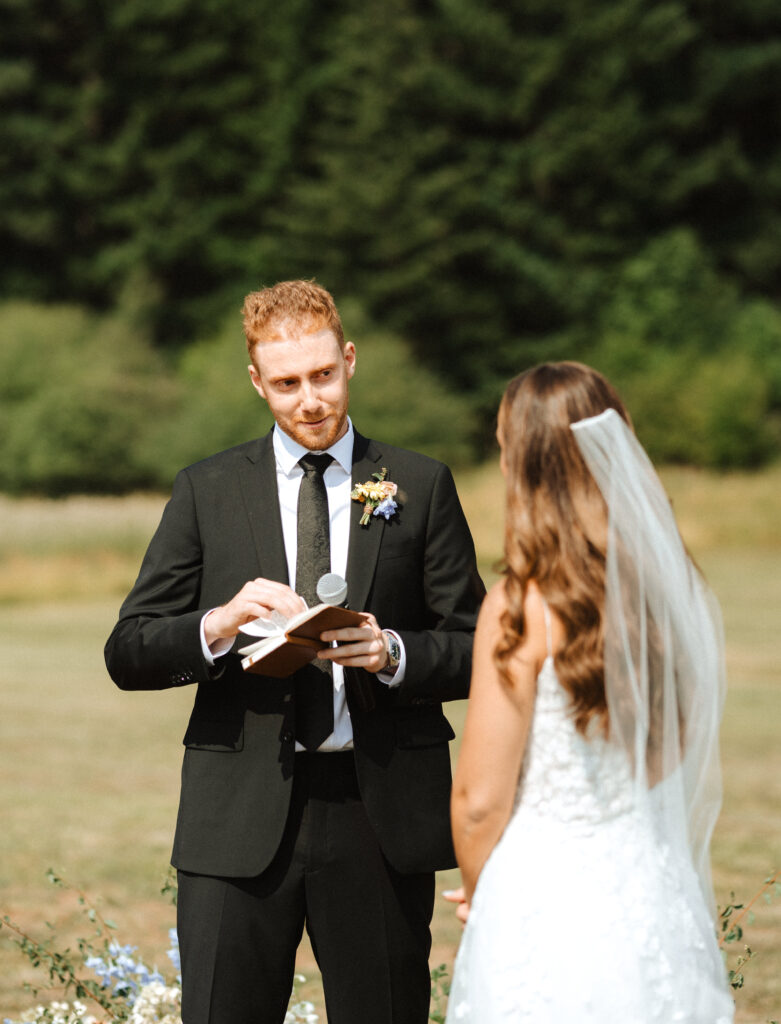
(556, 523)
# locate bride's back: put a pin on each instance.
(569, 776)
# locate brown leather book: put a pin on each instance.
(282, 654)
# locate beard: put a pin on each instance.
(318, 438)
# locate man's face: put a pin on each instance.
(304, 378)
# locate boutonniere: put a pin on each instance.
(377, 497)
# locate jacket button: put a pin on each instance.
(287, 736)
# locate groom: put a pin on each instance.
(321, 799)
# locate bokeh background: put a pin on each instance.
(482, 185)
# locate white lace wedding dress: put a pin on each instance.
(581, 916)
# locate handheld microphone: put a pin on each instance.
(332, 589)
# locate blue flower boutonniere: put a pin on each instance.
(377, 497)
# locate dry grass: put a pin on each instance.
(89, 775)
(75, 548)
(714, 511)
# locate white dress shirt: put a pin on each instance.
(338, 485)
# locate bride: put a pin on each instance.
(588, 781)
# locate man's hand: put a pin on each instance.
(257, 599)
(361, 646)
(458, 896)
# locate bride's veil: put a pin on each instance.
(664, 651)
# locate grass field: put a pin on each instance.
(89, 775)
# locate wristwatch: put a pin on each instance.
(393, 648)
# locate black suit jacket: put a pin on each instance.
(416, 572)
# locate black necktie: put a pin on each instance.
(314, 682)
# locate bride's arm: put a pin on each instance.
(497, 724)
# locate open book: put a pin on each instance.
(297, 641)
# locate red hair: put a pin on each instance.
(302, 305)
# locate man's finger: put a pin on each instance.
(454, 895)
(348, 633)
(346, 651)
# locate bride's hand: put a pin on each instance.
(458, 896)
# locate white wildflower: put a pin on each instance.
(301, 1013)
(58, 1012)
(157, 1004)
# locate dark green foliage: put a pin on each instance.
(494, 184)
(78, 395)
(730, 920)
(479, 175)
(146, 138)
(699, 369)
(87, 405)
(216, 406)
(394, 398)
(440, 989)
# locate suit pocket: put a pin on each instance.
(219, 735)
(403, 551)
(414, 729)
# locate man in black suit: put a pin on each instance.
(321, 799)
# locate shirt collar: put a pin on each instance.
(287, 451)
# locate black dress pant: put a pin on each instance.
(368, 924)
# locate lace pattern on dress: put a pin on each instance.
(580, 913)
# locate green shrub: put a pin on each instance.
(396, 399)
(698, 366)
(87, 405)
(77, 396)
(216, 406)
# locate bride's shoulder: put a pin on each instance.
(533, 646)
(495, 601)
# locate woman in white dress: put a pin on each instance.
(588, 781)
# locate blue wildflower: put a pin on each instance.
(173, 953)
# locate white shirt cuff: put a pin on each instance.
(220, 648)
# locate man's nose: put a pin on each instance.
(309, 396)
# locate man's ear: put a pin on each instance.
(349, 358)
(255, 377)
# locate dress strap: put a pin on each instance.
(548, 633)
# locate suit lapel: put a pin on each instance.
(364, 546)
(258, 477)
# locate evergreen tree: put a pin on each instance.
(143, 144)
(479, 173)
